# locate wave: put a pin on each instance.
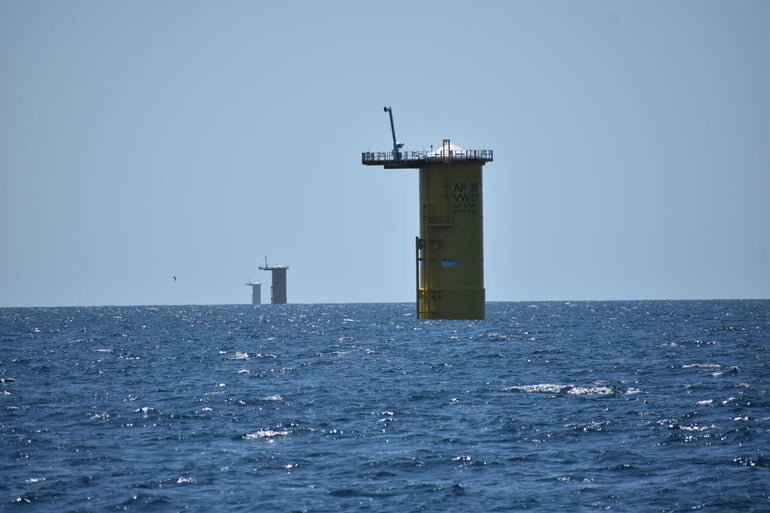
(240, 355)
(265, 433)
(551, 388)
(590, 391)
(542, 388)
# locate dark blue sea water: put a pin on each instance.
(644, 406)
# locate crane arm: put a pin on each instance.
(396, 145)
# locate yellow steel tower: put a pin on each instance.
(449, 253)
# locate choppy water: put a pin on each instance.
(626, 406)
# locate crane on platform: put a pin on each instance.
(396, 145)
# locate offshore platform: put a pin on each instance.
(256, 292)
(278, 288)
(449, 252)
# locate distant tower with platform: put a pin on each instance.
(256, 293)
(278, 288)
(449, 253)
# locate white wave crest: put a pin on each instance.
(551, 388)
(701, 366)
(590, 391)
(265, 433)
(547, 388)
(696, 427)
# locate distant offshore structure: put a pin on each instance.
(256, 292)
(449, 253)
(278, 288)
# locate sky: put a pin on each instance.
(144, 140)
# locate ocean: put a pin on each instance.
(632, 406)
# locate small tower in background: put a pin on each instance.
(278, 288)
(449, 253)
(256, 293)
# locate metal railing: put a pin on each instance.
(406, 157)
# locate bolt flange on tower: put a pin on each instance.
(449, 252)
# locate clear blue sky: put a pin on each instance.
(143, 140)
